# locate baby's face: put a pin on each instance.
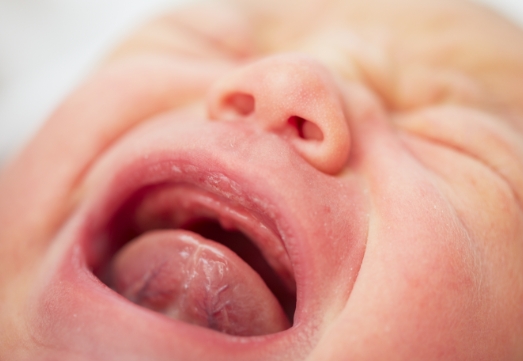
(371, 151)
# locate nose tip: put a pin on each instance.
(292, 96)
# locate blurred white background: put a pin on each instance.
(47, 47)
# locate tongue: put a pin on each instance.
(190, 278)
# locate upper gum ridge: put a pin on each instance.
(233, 204)
(174, 205)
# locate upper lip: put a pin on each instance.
(202, 192)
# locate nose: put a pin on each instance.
(292, 96)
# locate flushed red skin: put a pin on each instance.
(405, 246)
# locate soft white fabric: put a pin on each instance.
(47, 46)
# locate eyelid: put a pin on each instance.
(187, 39)
(225, 29)
(478, 134)
(195, 35)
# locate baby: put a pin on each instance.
(277, 180)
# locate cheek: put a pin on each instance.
(455, 252)
(420, 282)
(431, 285)
(490, 212)
(40, 187)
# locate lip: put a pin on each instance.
(209, 193)
(145, 160)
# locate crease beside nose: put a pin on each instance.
(292, 96)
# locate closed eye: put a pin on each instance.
(477, 135)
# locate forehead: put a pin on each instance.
(454, 49)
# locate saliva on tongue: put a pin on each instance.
(189, 278)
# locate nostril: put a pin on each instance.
(306, 129)
(311, 131)
(240, 103)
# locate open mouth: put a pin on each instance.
(199, 257)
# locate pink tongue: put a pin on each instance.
(190, 278)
